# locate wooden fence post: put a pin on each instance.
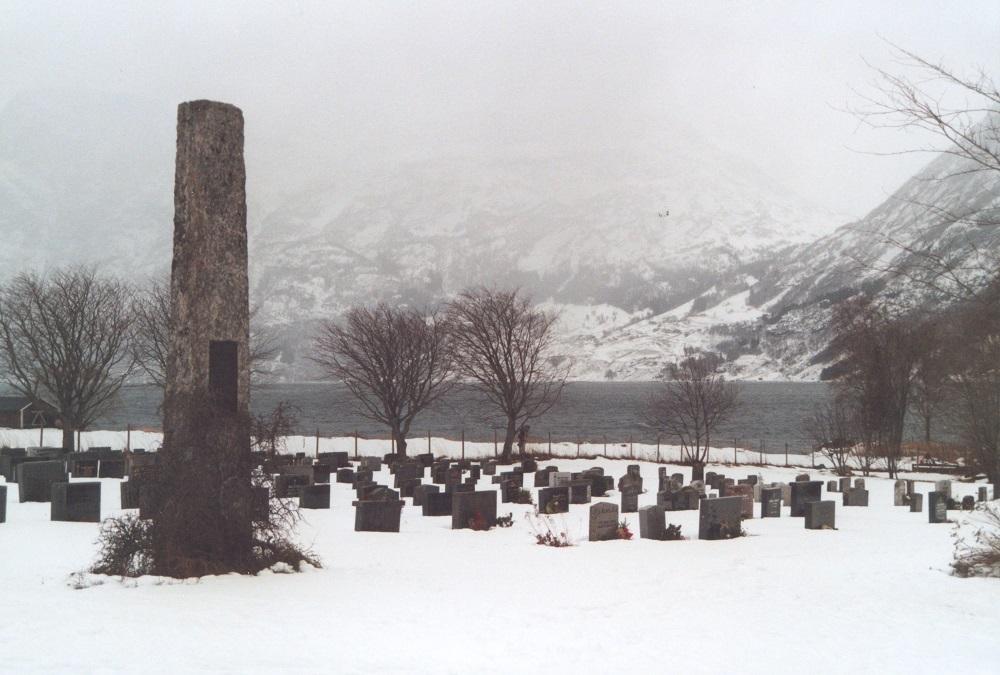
(355, 444)
(657, 448)
(495, 447)
(736, 459)
(463, 443)
(631, 454)
(786, 453)
(128, 437)
(428, 441)
(550, 444)
(317, 442)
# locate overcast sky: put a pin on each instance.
(327, 85)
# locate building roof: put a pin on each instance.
(18, 403)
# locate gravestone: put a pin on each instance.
(943, 487)
(603, 521)
(407, 486)
(436, 504)
(35, 479)
(76, 502)
(982, 494)
(490, 469)
(630, 498)
(340, 460)
(652, 523)
(697, 471)
(529, 465)
(579, 492)
(661, 478)
(261, 504)
(859, 483)
(372, 464)
(745, 492)
(320, 473)
(113, 467)
(821, 515)
(289, 485)
(377, 516)
(845, 484)
(85, 468)
(314, 496)
(802, 477)
(916, 502)
(803, 492)
(553, 500)
(345, 475)
(543, 478)
(468, 508)
(381, 493)
(406, 472)
(129, 492)
(856, 497)
(426, 459)
(831, 486)
(720, 518)
(937, 507)
(596, 478)
(900, 496)
(420, 491)
(560, 478)
(631, 479)
(968, 503)
(770, 502)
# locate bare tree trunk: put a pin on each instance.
(400, 439)
(68, 437)
(508, 440)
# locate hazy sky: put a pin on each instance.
(325, 86)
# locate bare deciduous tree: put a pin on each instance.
(66, 339)
(692, 401)
(152, 335)
(833, 428)
(396, 362)
(503, 347)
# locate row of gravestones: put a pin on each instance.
(96, 462)
(939, 501)
(48, 481)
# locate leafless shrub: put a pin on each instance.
(977, 554)
(124, 547)
(268, 431)
(833, 427)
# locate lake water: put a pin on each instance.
(770, 412)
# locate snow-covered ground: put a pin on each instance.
(875, 595)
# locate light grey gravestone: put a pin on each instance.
(603, 521)
(856, 497)
(553, 500)
(560, 478)
(756, 491)
(720, 518)
(916, 502)
(661, 478)
(745, 492)
(35, 479)
(982, 494)
(859, 483)
(470, 508)
(76, 502)
(821, 515)
(377, 516)
(943, 487)
(770, 502)
(845, 484)
(630, 498)
(900, 495)
(678, 477)
(802, 477)
(937, 507)
(652, 523)
(803, 492)
(631, 479)
(314, 496)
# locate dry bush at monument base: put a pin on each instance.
(977, 554)
(205, 518)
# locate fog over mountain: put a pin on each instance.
(660, 175)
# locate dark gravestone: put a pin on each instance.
(76, 502)
(529, 465)
(630, 498)
(477, 510)
(289, 485)
(968, 503)
(542, 478)
(720, 518)
(631, 479)
(490, 469)
(821, 515)
(745, 492)
(261, 504)
(377, 516)
(345, 475)
(3, 503)
(111, 468)
(937, 507)
(665, 498)
(831, 486)
(363, 475)
(372, 464)
(85, 468)
(426, 459)
(35, 479)
(603, 522)
(337, 460)
(803, 492)
(314, 496)
(916, 502)
(437, 503)
(381, 493)
(844, 483)
(770, 502)
(129, 490)
(407, 486)
(652, 523)
(553, 500)
(802, 477)
(515, 476)
(320, 473)
(856, 497)
(421, 491)
(475, 472)
(579, 492)
(687, 498)
(859, 483)
(407, 472)
(609, 484)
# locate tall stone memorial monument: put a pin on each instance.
(206, 490)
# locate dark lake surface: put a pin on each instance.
(771, 412)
